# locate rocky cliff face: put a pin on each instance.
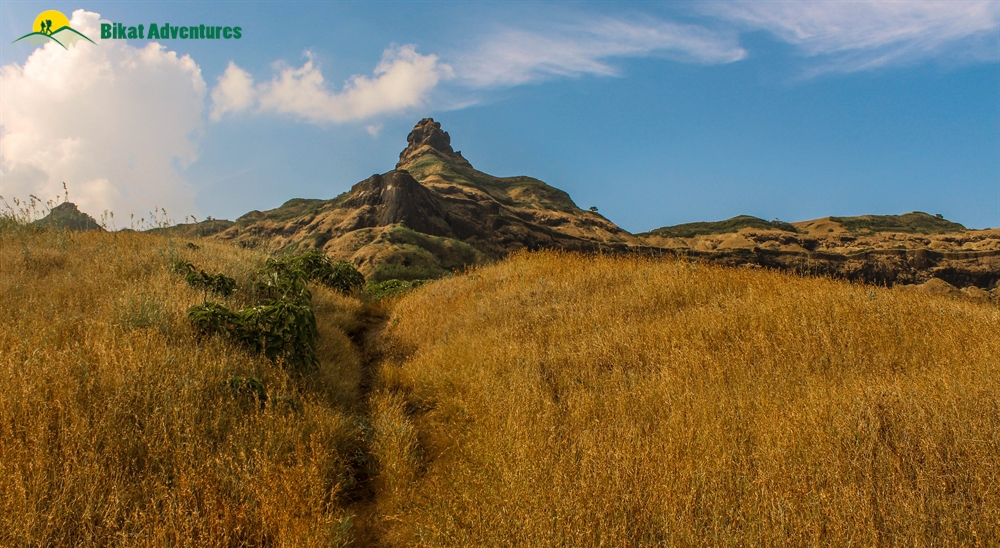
(428, 138)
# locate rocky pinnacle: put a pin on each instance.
(425, 138)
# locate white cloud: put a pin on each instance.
(374, 130)
(233, 93)
(867, 34)
(112, 121)
(402, 80)
(518, 56)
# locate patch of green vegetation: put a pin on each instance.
(409, 255)
(296, 207)
(735, 224)
(219, 284)
(319, 239)
(388, 288)
(282, 325)
(916, 222)
(451, 254)
(315, 266)
(406, 262)
(249, 218)
(284, 331)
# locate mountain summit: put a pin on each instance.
(434, 213)
(428, 138)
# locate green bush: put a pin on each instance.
(283, 331)
(315, 266)
(219, 284)
(344, 278)
(211, 318)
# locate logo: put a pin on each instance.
(53, 26)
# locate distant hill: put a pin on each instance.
(66, 216)
(194, 230)
(690, 230)
(916, 222)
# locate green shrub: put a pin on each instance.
(344, 278)
(283, 331)
(315, 266)
(210, 318)
(219, 284)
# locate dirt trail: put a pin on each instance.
(365, 339)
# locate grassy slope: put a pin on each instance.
(513, 191)
(116, 426)
(549, 399)
(561, 400)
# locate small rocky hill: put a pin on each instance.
(432, 214)
(66, 216)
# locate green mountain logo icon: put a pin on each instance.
(63, 34)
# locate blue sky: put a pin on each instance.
(656, 113)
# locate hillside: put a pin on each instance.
(912, 248)
(120, 425)
(562, 400)
(547, 399)
(433, 214)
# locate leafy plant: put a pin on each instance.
(210, 318)
(216, 283)
(283, 331)
(315, 266)
(219, 284)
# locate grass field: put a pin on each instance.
(547, 400)
(117, 427)
(560, 400)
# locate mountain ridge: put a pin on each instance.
(435, 213)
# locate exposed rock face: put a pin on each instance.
(396, 197)
(428, 138)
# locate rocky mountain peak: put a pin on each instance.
(428, 138)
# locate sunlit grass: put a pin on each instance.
(556, 399)
(118, 427)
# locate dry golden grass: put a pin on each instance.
(551, 399)
(117, 427)
(560, 400)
